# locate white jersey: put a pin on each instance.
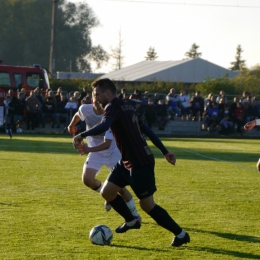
(87, 114)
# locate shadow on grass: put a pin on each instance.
(139, 248)
(42, 144)
(226, 252)
(230, 236)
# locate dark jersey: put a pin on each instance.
(126, 130)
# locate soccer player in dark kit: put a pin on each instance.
(137, 165)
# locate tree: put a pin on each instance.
(239, 64)
(192, 53)
(25, 33)
(151, 54)
(117, 54)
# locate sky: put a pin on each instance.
(172, 26)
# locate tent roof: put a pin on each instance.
(187, 71)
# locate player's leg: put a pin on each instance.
(127, 196)
(114, 183)
(143, 184)
(124, 192)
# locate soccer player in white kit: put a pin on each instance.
(103, 151)
(249, 126)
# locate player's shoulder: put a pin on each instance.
(85, 107)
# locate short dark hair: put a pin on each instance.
(104, 84)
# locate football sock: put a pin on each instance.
(119, 205)
(99, 188)
(163, 219)
(131, 205)
(182, 234)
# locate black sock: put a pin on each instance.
(163, 219)
(119, 205)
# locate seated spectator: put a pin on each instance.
(197, 106)
(72, 107)
(240, 119)
(62, 112)
(150, 112)
(213, 110)
(224, 111)
(122, 92)
(184, 101)
(252, 112)
(162, 114)
(232, 109)
(32, 107)
(225, 126)
(49, 110)
(139, 109)
(212, 124)
(173, 103)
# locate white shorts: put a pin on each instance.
(98, 159)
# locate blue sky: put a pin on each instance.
(172, 26)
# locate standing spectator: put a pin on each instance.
(221, 95)
(19, 107)
(32, 107)
(83, 94)
(173, 103)
(40, 98)
(209, 99)
(58, 95)
(162, 114)
(49, 110)
(184, 104)
(62, 112)
(150, 112)
(197, 106)
(122, 92)
(139, 109)
(243, 99)
(145, 98)
(136, 96)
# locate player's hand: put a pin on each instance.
(170, 157)
(83, 149)
(72, 129)
(250, 125)
(77, 142)
(258, 165)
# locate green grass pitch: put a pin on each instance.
(46, 212)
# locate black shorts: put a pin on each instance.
(141, 179)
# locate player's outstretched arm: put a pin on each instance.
(170, 157)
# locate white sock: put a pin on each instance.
(131, 205)
(99, 188)
(182, 234)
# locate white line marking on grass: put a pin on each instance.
(216, 159)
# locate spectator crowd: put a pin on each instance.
(215, 111)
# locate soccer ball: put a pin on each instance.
(101, 235)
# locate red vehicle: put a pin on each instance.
(18, 77)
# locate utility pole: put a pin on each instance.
(51, 59)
